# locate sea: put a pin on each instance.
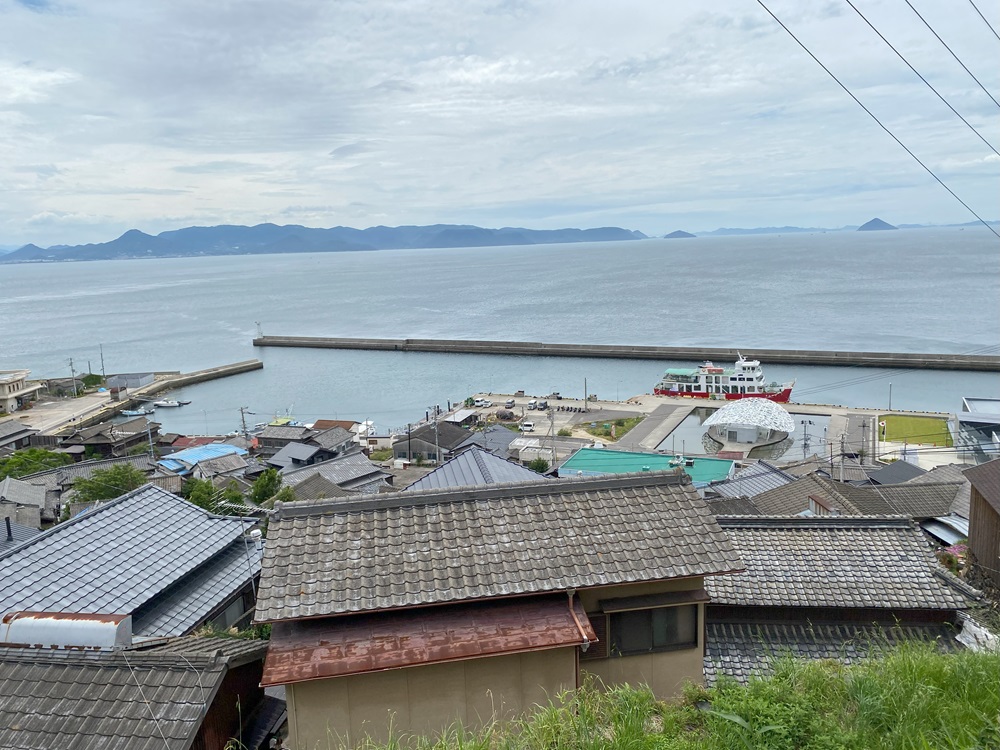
(918, 290)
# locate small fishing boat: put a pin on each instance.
(136, 412)
(166, 403)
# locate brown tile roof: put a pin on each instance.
(986, 479)
(950, 473)
(829, 561)
(326, 424)
(334, 647)
(438, 546)
(925, 500)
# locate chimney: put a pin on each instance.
(10, 531)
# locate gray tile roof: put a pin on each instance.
(449, 436)
(744, 650)
(923, 500)
(331, 439)
(345, 471)
(291, 453)
(18, 534)
(732, 506)
(420, 548)
(950, 473)
(880, 563)
(318, 487)
(222, 465)
(283, 432)
(986, 479)
(474, 467)
(119, 557)
(753, 480)
(22, 493)
(495, 438)
(68, 474)
(152, 699)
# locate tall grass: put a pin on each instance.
(911, 698)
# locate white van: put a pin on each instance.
(479, 402)
(527, 426)
(532, 404)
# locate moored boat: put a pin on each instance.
(136, 412)
(745, 380)
(166, 403)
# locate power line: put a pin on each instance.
(973, 4)
(872, 115)
(926, 82)
(951, 51)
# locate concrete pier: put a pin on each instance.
(903, 360)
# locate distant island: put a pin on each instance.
(678, 235)
(875, 225)
(271, 238)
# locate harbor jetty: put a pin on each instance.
(904, 360)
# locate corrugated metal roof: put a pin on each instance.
(753, 480)
(337, 647)
(117, 557)
(832, 562)
(597, 461)
(474, 467)
(895, 473)
(414, 548)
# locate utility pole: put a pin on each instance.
(149, 436)
(890, 396)
(586, 396)
(842, 452)
(72, 373)
(243, 419)
(864, 439)
(552, 437)
(103, 374)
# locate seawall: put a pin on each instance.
(905, 360)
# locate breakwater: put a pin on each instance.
(904, 360)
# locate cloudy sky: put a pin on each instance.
(159, 114)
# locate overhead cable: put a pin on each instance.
(973, 4)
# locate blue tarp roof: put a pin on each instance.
(183, 460)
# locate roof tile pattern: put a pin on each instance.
(745, 650)
(117, 557)
(949, 473)
(753, 480)
(474, 467)
(417, 548)
(832, 562)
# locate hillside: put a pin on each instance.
(875, 225)
(274, 239)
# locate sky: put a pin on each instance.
(656, 116)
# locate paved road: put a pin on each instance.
(47, 416)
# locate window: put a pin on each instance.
(646, 630)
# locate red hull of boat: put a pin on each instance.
(781, 397)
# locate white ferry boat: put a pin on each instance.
(745, 380)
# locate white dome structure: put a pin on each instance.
(750, 420)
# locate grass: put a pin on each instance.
(384, 454)
(913, 698)
(900, 428)
(622, 426)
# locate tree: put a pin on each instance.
(30, 460)
(106, 484)
(265, 487)
(539, 465)
(206, 495)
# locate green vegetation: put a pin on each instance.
(914, 698)
(565, 432)
(92, 381)
(538, 465)
(31, 460)
(381, 455)
(265, 487)
(107, 484)
(621, 427)
(205, 495)
(900, 428)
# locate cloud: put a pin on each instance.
(216, 167)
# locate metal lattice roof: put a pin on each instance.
(757, 412)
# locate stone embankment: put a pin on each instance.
(904, 360)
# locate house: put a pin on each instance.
(205, 461)
(352, 471)
(316, 448)
(275, 437)
(187, 693)
(422, 608)
(984, 519)
(494, 438)
(474, 467)
(14, 436)
(150, 554)
(57, 482)
(15, 391)
(752, 480)
(12, 533)
(589, 462)
(110, 439)
(895, 473)
(463, 418)
(22, 501)
(426, 441)
(130, 380)
(826, 588)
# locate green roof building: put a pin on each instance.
(592, 462)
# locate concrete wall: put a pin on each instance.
(665, 672)
(325, 713)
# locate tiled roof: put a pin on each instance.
(923, 500)
(291, 453)
(986, 479)
(805, 466)
(70, 473)
(829, 561)
(335, 647)
(751, 481)
(120, 557)
(318, 487)
(732, 506)
(282, 432)
(449, 436)
(950, 473)
(345, 471)
(331, 438)
(326, 424)
(189, 457)
(152, 699)
(474, 467)
(11, 427)
(18, 534)
(914, 500)
(433, 547)
(744, 650)
(495, 439)
(22, 493)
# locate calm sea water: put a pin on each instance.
(916, 290)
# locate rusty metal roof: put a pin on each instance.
(342, 646)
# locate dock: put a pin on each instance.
(902, 360)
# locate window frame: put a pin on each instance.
(616, 618)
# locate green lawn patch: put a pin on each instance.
(621, 427)
(900, 428)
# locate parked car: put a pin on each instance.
(487, 404)
(479, 402)
(527, 427)
(542, 405)
(532, 404)
(509, 403)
